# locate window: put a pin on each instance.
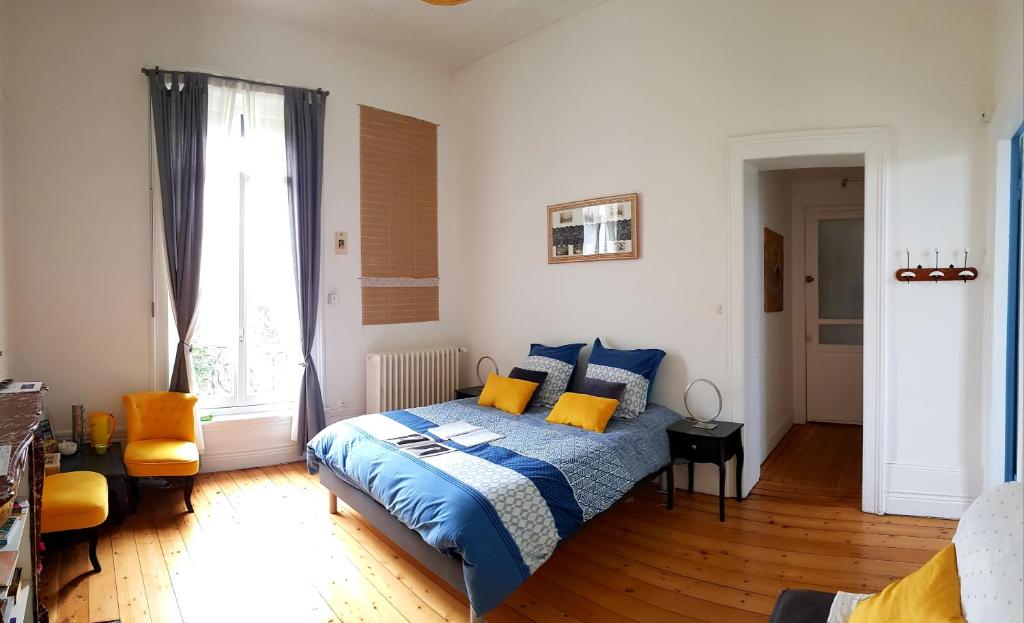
(246, 349)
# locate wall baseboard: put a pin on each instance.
(915, 505)
(775, 436)
(930, 490)
(227, 461)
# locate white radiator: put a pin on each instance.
(411, 378)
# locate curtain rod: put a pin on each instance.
(148, 72)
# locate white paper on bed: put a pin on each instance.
(452, 429)
(477, 437)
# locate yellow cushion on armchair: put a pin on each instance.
(73, 501)
(161, 457)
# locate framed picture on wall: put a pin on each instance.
(605, 228)
(774, 265)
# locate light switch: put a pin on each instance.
(332, 298)
(341, 243)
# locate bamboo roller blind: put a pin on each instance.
(398, 217)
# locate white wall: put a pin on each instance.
(1008, 60)
(773, 332)
(640, 96)
(78, 187)
(5, 242)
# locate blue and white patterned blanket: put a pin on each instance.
(501, 507)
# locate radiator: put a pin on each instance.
(411, 378)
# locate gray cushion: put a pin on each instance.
(800, 606)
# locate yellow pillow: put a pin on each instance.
(509, 395)
(583, 410)
(929, 595)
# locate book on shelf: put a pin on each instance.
(8, 565)
(52, 464)
(19, 506)
(11, 530)
(12, 588)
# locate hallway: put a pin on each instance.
(815, 462)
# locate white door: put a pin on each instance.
(835, 314)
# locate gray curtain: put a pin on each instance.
(304, 147)
(179, 124)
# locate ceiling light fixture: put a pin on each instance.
(445, 2)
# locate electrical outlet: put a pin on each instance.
(341, 243)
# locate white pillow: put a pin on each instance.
(559, 374)
(990, 556)
(634, 398)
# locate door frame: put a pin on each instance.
(811, 214)
(802, 149)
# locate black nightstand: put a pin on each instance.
(717, 446)
(469, 392)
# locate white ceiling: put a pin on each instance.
(447, 36)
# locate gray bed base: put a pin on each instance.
(404, 538)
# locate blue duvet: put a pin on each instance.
(501, 507)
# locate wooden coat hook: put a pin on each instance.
(965, 273)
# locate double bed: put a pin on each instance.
(484, 518)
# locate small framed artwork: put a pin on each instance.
(774, 266)
(605, 228)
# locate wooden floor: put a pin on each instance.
(261, 547)
(815, 462)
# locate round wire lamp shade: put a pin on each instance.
(703, 421)
(494, 364)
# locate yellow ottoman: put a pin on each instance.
(75, 501)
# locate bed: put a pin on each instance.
(483, 519)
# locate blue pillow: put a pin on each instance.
(642, 361)
(568, 353)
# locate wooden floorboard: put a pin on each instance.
(261, 547)
(815, 463)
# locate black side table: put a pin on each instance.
(717, 445)
(469, 392)
(111, 465)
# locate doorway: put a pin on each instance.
(812, 340)
(747, 158)
(834, 314)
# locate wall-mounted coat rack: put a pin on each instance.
(964, 273)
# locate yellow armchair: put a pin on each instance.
(161, 439)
